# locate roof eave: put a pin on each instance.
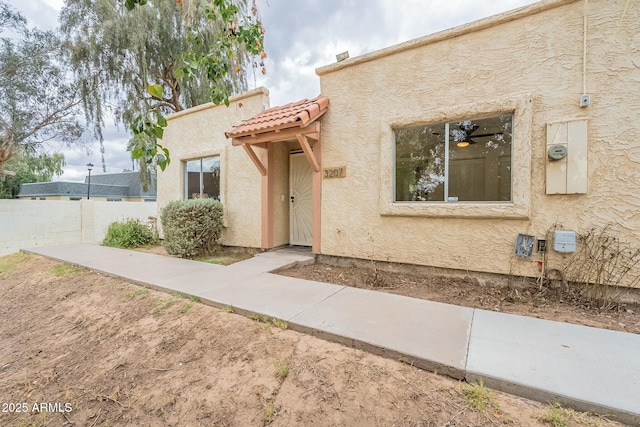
(450, 33)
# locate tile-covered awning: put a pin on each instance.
(294, 121)
(270, 125)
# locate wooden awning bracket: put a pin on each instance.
(308, 152)
(312, 131)
(255, 159)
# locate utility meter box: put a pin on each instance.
(567, 166)
(564, 241)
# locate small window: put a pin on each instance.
(43, 198)
(468, 160)
(75, 198)
(113, 200)
(149, 200)
(202, 178)
(34, 198)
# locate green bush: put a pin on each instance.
(128, 234)
(191, 227)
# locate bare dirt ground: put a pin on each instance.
(534, 301)
(223, 255)
(82, 349)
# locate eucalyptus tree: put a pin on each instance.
(28, 168)
(143, 60)
(9, 18)
(38, 103)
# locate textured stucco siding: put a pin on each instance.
(532, 66)
(199, 132)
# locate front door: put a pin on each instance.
(301, 201)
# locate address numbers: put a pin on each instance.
(335, 172)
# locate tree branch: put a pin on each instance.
(50, 119)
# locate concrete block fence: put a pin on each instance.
(29, 223)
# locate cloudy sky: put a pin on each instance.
(301, 36)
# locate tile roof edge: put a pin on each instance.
(297, 122)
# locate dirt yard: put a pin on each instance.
(83, 349)
(222, 255)
(542, 302)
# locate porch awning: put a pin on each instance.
(280, 123)
(294, 121)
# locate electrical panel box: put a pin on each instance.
(564, 241)
(567, 157)
(524, 245)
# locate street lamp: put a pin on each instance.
(89, 167)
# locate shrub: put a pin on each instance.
(191, 227)
(128, 234)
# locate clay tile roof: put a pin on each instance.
(295, 114)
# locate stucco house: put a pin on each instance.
(452, 150)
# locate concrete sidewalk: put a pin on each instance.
(585, 368)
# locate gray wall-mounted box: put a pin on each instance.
(524, 245)
(564, 241)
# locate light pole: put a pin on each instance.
(89, 167)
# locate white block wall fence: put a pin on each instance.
(29, 223)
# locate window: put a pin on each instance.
(75, 199)
(202, 178)
(468, 160)
(109, 199)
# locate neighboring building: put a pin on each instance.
(113, 187)
(439, 151)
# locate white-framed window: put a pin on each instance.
(202, 178)
(466, 160)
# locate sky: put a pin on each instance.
(301, 35)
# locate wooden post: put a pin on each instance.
(268, 182)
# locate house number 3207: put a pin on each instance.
(335, 172)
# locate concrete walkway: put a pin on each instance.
(585, 368)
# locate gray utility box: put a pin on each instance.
(564, 241)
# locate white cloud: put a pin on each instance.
(56, 4)
(301, 36)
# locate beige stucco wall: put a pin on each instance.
(199, 132)
(529, 62)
